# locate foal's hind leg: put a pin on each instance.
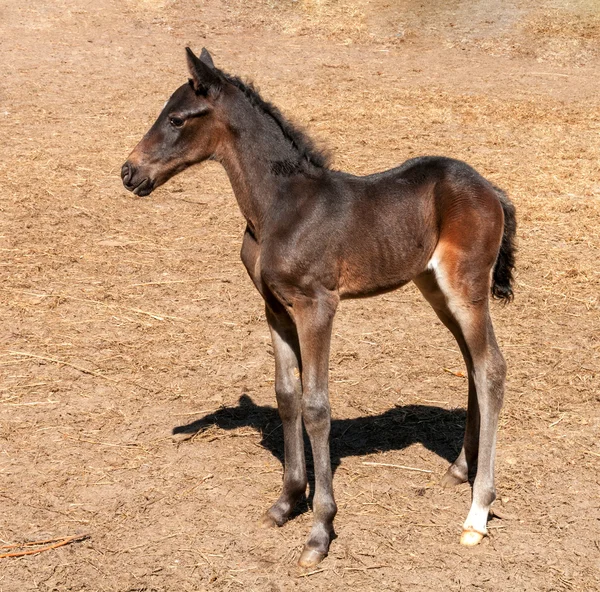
(466, 463)
(465, 309)
(288, 390)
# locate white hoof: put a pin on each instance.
(470, 537)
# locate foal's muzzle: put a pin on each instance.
(135, 181)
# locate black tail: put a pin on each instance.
(502, 278)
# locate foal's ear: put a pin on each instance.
(207, 58)
(206, 80)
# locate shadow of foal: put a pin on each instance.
(439, 430)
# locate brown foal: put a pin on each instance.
(314, 236)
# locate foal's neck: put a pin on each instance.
(252, 153)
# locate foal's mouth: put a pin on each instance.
(142, 189)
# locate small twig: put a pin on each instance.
(80, 368)
(146, 544)
(161, 317)
(33, 403)
(459, 374)
(64, 363)
(165, 282)
(376, 464)
(32, 543)
(586, 450)
(365, 567)
(231, 435)
(190, 489)
(128, 445)
(60, 542)
(312, 573)
(198, 203)
(549, 74)
(158, 317)
(192, 412)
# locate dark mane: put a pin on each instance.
(299, 140)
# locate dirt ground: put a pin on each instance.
(122, 319)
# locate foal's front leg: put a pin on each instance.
(314, 321)
(288, 390)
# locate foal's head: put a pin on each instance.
(187, 131)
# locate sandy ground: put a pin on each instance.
(124, 318)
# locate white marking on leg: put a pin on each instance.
(477, 518)
(436, 265)
(433, 262)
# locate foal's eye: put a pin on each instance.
(176, 121)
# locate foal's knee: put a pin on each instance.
(288, 400)
(316, 413)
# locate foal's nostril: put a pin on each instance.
(126, 173)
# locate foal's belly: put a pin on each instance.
(368, 273)
(358, 288)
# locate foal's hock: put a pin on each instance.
(315, 235)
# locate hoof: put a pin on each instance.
(267, 521)
(310, 557)
(470, 537)
(451, 478)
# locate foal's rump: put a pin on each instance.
(477, 227)
(428, 207)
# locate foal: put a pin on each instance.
(315, 236)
